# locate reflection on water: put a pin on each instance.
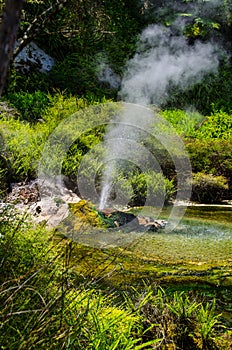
(198, 251)
(203, 235)
(221, 214)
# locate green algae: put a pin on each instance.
(196, 253)
(85, 212)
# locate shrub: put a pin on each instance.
(24, 142)
(4, 176)
(152, 186)
(212, 92)
(211, 157)
(19, 82)
(216, 126)
(64, 105)
(30, 105)
(135, 188)
(23, 247)
(24, 145)
(208, 188)
(184, 122)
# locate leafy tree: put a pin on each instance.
(198, 19)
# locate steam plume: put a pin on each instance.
(162, 58)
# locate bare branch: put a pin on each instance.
(37, 23)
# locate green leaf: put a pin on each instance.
(151, 342)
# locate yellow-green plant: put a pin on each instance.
(216, 126)
(185, 122)
(43, 306)
(207, 322)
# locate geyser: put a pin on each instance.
(162, 57)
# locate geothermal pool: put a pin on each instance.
(204, 235)
(197, 252)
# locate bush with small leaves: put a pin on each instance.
(30, 105)
(208, 188)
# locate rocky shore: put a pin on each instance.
(52, 207)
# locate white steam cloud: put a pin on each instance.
(106, 73)
(162, 58)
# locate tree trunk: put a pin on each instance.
(8, 35)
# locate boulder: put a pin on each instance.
(119, 218)
(149, 224)
(31, 58)
(130, 221)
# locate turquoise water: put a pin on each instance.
(198, 250)
(204, 235)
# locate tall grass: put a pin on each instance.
(45, 304)
(181, 320)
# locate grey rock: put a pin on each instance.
(32, 57)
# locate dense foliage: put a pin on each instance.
(91, 40)
(45, 301)
(207, 141)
